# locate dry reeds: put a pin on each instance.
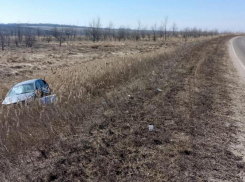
(98, 129)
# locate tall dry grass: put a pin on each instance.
(96, 122)
(75, 89)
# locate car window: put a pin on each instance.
(41, 83)
(38, 85)
(21, 89)
(45, 83)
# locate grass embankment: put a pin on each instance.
(98, 131)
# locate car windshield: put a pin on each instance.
(21, 89)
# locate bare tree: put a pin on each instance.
(137, 32)
(95, 29)
(68, 33)
(161, 31)
(128, 33)
(174, 29)
(164, 24)
(143, 32)
(185, 33)
(38, 32)
(73, 31)
(16, 41)
(29, 37)
(55, 32)
(111, 32)
(8, 37)
(215, 32)
(61, 36)
(87, 33)
(5, 37)
(48, 38)
(19, 33)
(106, 32)
(16, 32)
(2, 38)
(121, 33)
(154, 31)
(148, 34)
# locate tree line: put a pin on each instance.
(27, 34)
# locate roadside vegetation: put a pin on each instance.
(32, 50)
(98, 129)
(111, 84)
(29, 34)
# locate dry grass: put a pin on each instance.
(17, 64)
(97, 132)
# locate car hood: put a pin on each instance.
(17, 98)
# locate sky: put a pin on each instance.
(206, 14)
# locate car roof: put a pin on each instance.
(27, 82)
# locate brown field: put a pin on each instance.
(18, 64)
(108, 94)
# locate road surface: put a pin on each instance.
(237, 53)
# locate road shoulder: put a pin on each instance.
(235, 59)
(238, 104)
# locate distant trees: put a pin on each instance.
(47, 36)
(148, 34)
(18, 34)
(174, 30)
(143, 32)
(154, 31)
(59, 34)
(196, 33)
(22, 34)
(55, 32)
(110, 30)
(161, 31)
(164, 24)
(70, 33)
(8, 38)
(121, 33)
(29, 38)
(107, 33)
(2, 39)
(73, 32)
(137, 33)
(94, 30)
(38, 32)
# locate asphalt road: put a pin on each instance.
(237, 53)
